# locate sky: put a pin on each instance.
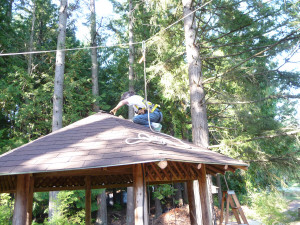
(105, 9)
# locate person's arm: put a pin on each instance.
(120, 104)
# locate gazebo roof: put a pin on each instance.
(99, 141)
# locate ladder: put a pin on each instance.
(230, 198)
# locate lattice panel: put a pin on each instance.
(111, 180)
(175, 171)
(8, 183)
(70, 181)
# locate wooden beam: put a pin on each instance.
(162, 164)
(215, 169)
(21, 202)
(140, 196)
(127, 169)
(204, 198)
(88, 200)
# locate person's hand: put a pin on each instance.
(141, 112)
(113, 111)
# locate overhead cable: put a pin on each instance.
(68, 49)
(104, 46)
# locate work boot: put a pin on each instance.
(156, 126)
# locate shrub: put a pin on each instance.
(270, 207)
(6, 209)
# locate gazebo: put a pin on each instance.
(95, 153)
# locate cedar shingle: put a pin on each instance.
(100, 141)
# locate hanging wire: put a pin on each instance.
(68, 49)
(106, 46)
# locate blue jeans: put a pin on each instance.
(143, 119)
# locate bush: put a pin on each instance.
(6, 209)
(270, 207)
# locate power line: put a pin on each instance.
(68, 49)
(103, 46)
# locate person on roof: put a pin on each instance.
(140, 108)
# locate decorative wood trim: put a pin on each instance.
(174, 164)
(186, 174)
(156, 171)
(162, 164)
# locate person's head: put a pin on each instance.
(127, 95)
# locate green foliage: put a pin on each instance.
(243, 91)
(270, 207)
(163, 191)
(6, 209)
(65, 213)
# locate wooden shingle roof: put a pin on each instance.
(99, 142)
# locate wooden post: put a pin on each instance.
(21, 202)
(204, 198)
(88, 200)
(30, 201)
(130, 206)
(194, 202)
(192, 207)
(140, 196)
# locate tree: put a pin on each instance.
(197, 95)
(58, 89)
(94, 57)
(31, 37)
(131, 53)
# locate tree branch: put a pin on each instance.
(290, 133)
(259, 100)
(251, 57)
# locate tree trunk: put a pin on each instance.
(95, 87)
(9, 11)
(102, 209)
(31, 38)
(185, 194)
(131, 57)
(197, 95)
(58, 87)
(158, 207)
(130, 200)
(59, 68)
(178, 194)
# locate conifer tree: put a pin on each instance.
(58, 89)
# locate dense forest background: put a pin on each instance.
(250, 76)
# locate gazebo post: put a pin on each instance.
(194, 202)
(30, 201)
(204, 198)
(22, 198)
(140, 195)
(88, 200)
